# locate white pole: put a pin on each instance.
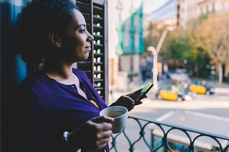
(161, 40)
(154, 70)
(155, 55)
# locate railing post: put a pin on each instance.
(152, 138)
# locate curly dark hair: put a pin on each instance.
(34, 24)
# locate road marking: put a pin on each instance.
(163, 117)
(207, 115)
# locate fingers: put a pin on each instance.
(129, 103)
(94, 134)
(102, 143)
(103, 126)
(140, 102)
(102, 119)
(104, 134)
(125, 101)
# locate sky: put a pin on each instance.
(152, 5)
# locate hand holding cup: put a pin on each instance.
(120, 116)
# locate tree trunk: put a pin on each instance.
(196, 70)
(220, 73)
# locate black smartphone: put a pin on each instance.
(143, 92)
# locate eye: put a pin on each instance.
(82, 30)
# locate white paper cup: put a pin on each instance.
(120, 115)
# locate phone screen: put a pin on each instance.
(143, 92)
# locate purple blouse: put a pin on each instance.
(41, 109)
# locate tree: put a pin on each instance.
(212, 37)
(153, 37)
(177, 46)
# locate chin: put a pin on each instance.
(86, 56)
(82, 58)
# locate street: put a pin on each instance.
(209, 113)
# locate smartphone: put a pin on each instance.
(143, 92)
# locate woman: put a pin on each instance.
(58, 98)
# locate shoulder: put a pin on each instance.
(34, 86)
(33, 91)
(80, 73)
(28, 92)
(36, 80)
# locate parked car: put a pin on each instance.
(168, 94)
(185, 90)
(201, 89)
(190, 93)
(168, 74)
(180, 77)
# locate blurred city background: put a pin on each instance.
(182, 46)
(193, 34)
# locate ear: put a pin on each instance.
(55, 40)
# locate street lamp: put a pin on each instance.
(155, 54)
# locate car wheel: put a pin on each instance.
(207, 92)
(179, 99)
(159, 97)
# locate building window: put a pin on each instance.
(131, 64)
(119, 64)
(132, 41)
(132, 20)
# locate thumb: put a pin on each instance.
(102, 119)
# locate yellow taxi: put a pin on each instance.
(168, 94)
(201, 89)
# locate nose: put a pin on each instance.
(90, 37)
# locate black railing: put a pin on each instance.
(221, 143)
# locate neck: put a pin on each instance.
(57, 69)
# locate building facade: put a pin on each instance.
(168, 14)
(213, 6)
(180, 12)
(126, 42)
(192, 9)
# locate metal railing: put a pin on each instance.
(192, 136)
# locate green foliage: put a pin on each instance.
(212, 36)
(176, 45)
(179, 48)
(205, 40)
(203, 74)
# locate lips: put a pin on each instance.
(88, 47)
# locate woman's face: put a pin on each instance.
(76, 43)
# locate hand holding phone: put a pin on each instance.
(143, 92)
